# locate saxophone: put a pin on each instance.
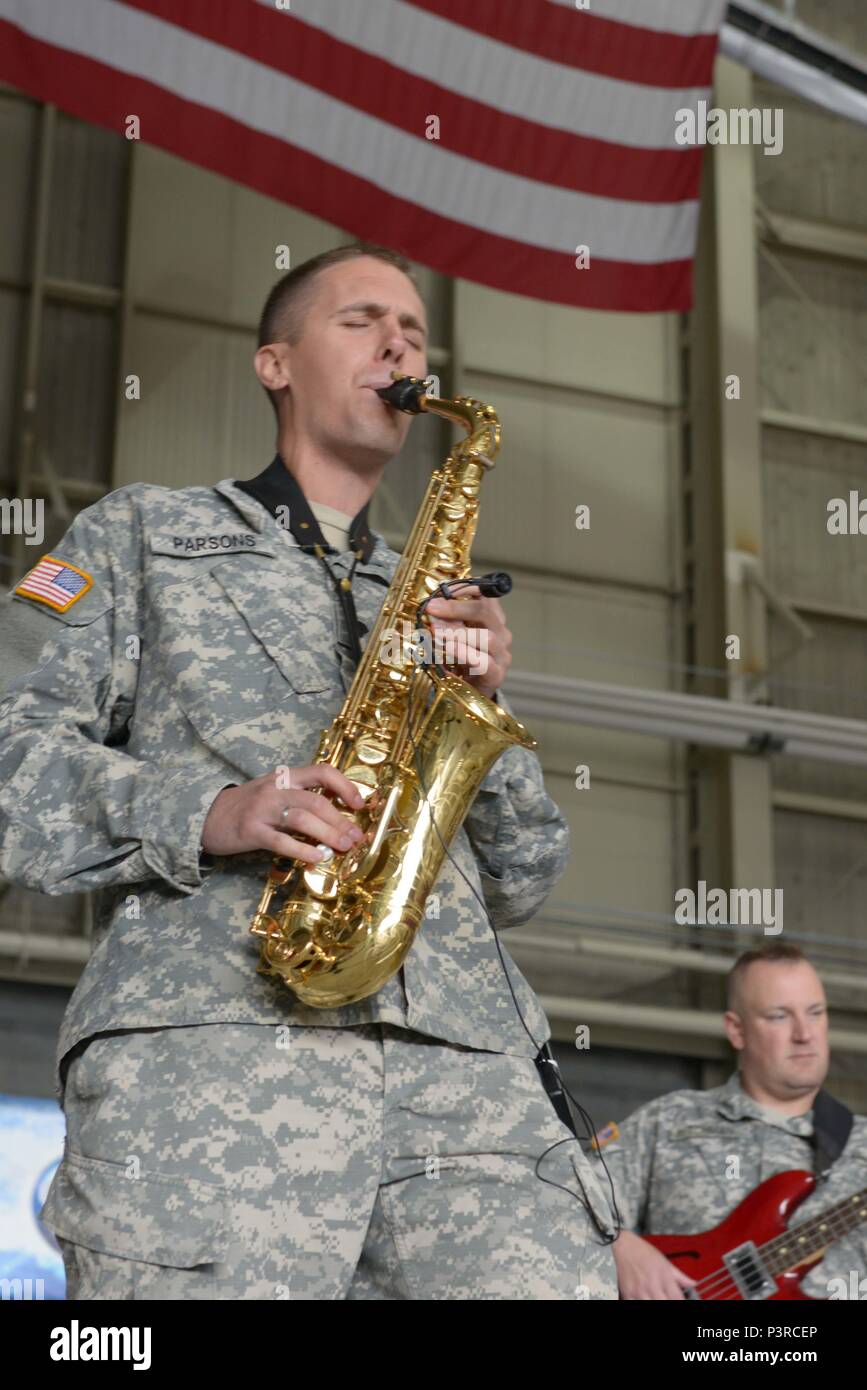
(415, 740)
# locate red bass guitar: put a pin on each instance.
(753, 1254)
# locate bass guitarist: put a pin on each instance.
(683, 1162)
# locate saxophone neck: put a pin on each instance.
(480, 421)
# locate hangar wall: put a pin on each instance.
(118, 258)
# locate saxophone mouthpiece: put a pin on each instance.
(405, 394)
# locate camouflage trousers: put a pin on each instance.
(225, 1161)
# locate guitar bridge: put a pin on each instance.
(748, 1271)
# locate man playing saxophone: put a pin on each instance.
(173, 661)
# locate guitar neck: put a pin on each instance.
(802, 1242)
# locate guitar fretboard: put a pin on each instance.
(797, 1244)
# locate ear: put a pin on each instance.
(734, 1029)
(271, 365)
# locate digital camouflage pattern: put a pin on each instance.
(674, 1172)
(205, 655)
(239, 1161)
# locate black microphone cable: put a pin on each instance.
(493, 585)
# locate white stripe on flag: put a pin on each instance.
(411, 168)
(504, 78)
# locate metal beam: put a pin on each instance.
(811, 238)
(837, 612)
(785, 51)
(700, 719)
(572, 943)
(807, 424)
(81, 292)
(738, 355)
(807, 804)
(686, 1023)
(24, 946)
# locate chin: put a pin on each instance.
(389, 441)
(807, 1076)
(371, 435)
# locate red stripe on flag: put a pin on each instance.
(468, 127)
(212, 140)
(581, 39)
(42, 587)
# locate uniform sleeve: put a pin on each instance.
(76, 811)
(629, 1159)
(519, 836)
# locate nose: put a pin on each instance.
(392, 343)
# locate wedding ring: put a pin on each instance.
(284, 814)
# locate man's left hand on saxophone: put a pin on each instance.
(482, 641)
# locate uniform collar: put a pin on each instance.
(735, 1104)
(276, 487)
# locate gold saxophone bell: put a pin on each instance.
(416, 741)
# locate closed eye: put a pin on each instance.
(364, 323)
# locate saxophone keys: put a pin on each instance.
(321, 882)
(351, 863)
(359, 864)
(263, 925)
(371, 754)
(362, 778)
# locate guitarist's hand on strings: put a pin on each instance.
(644, 1273)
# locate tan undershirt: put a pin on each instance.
(333, 524)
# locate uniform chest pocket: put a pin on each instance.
(293, 624)
(693, 1160)
(243, 639)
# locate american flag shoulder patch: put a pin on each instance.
(605, 1135)
(56, 583)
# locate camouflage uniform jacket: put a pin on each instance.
(674, 1169)
(206, 654)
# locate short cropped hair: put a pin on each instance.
(772, 951)
(282, 317)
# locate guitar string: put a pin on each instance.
(838, 1220)
(841, 1218)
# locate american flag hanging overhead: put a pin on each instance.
(555, 124)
